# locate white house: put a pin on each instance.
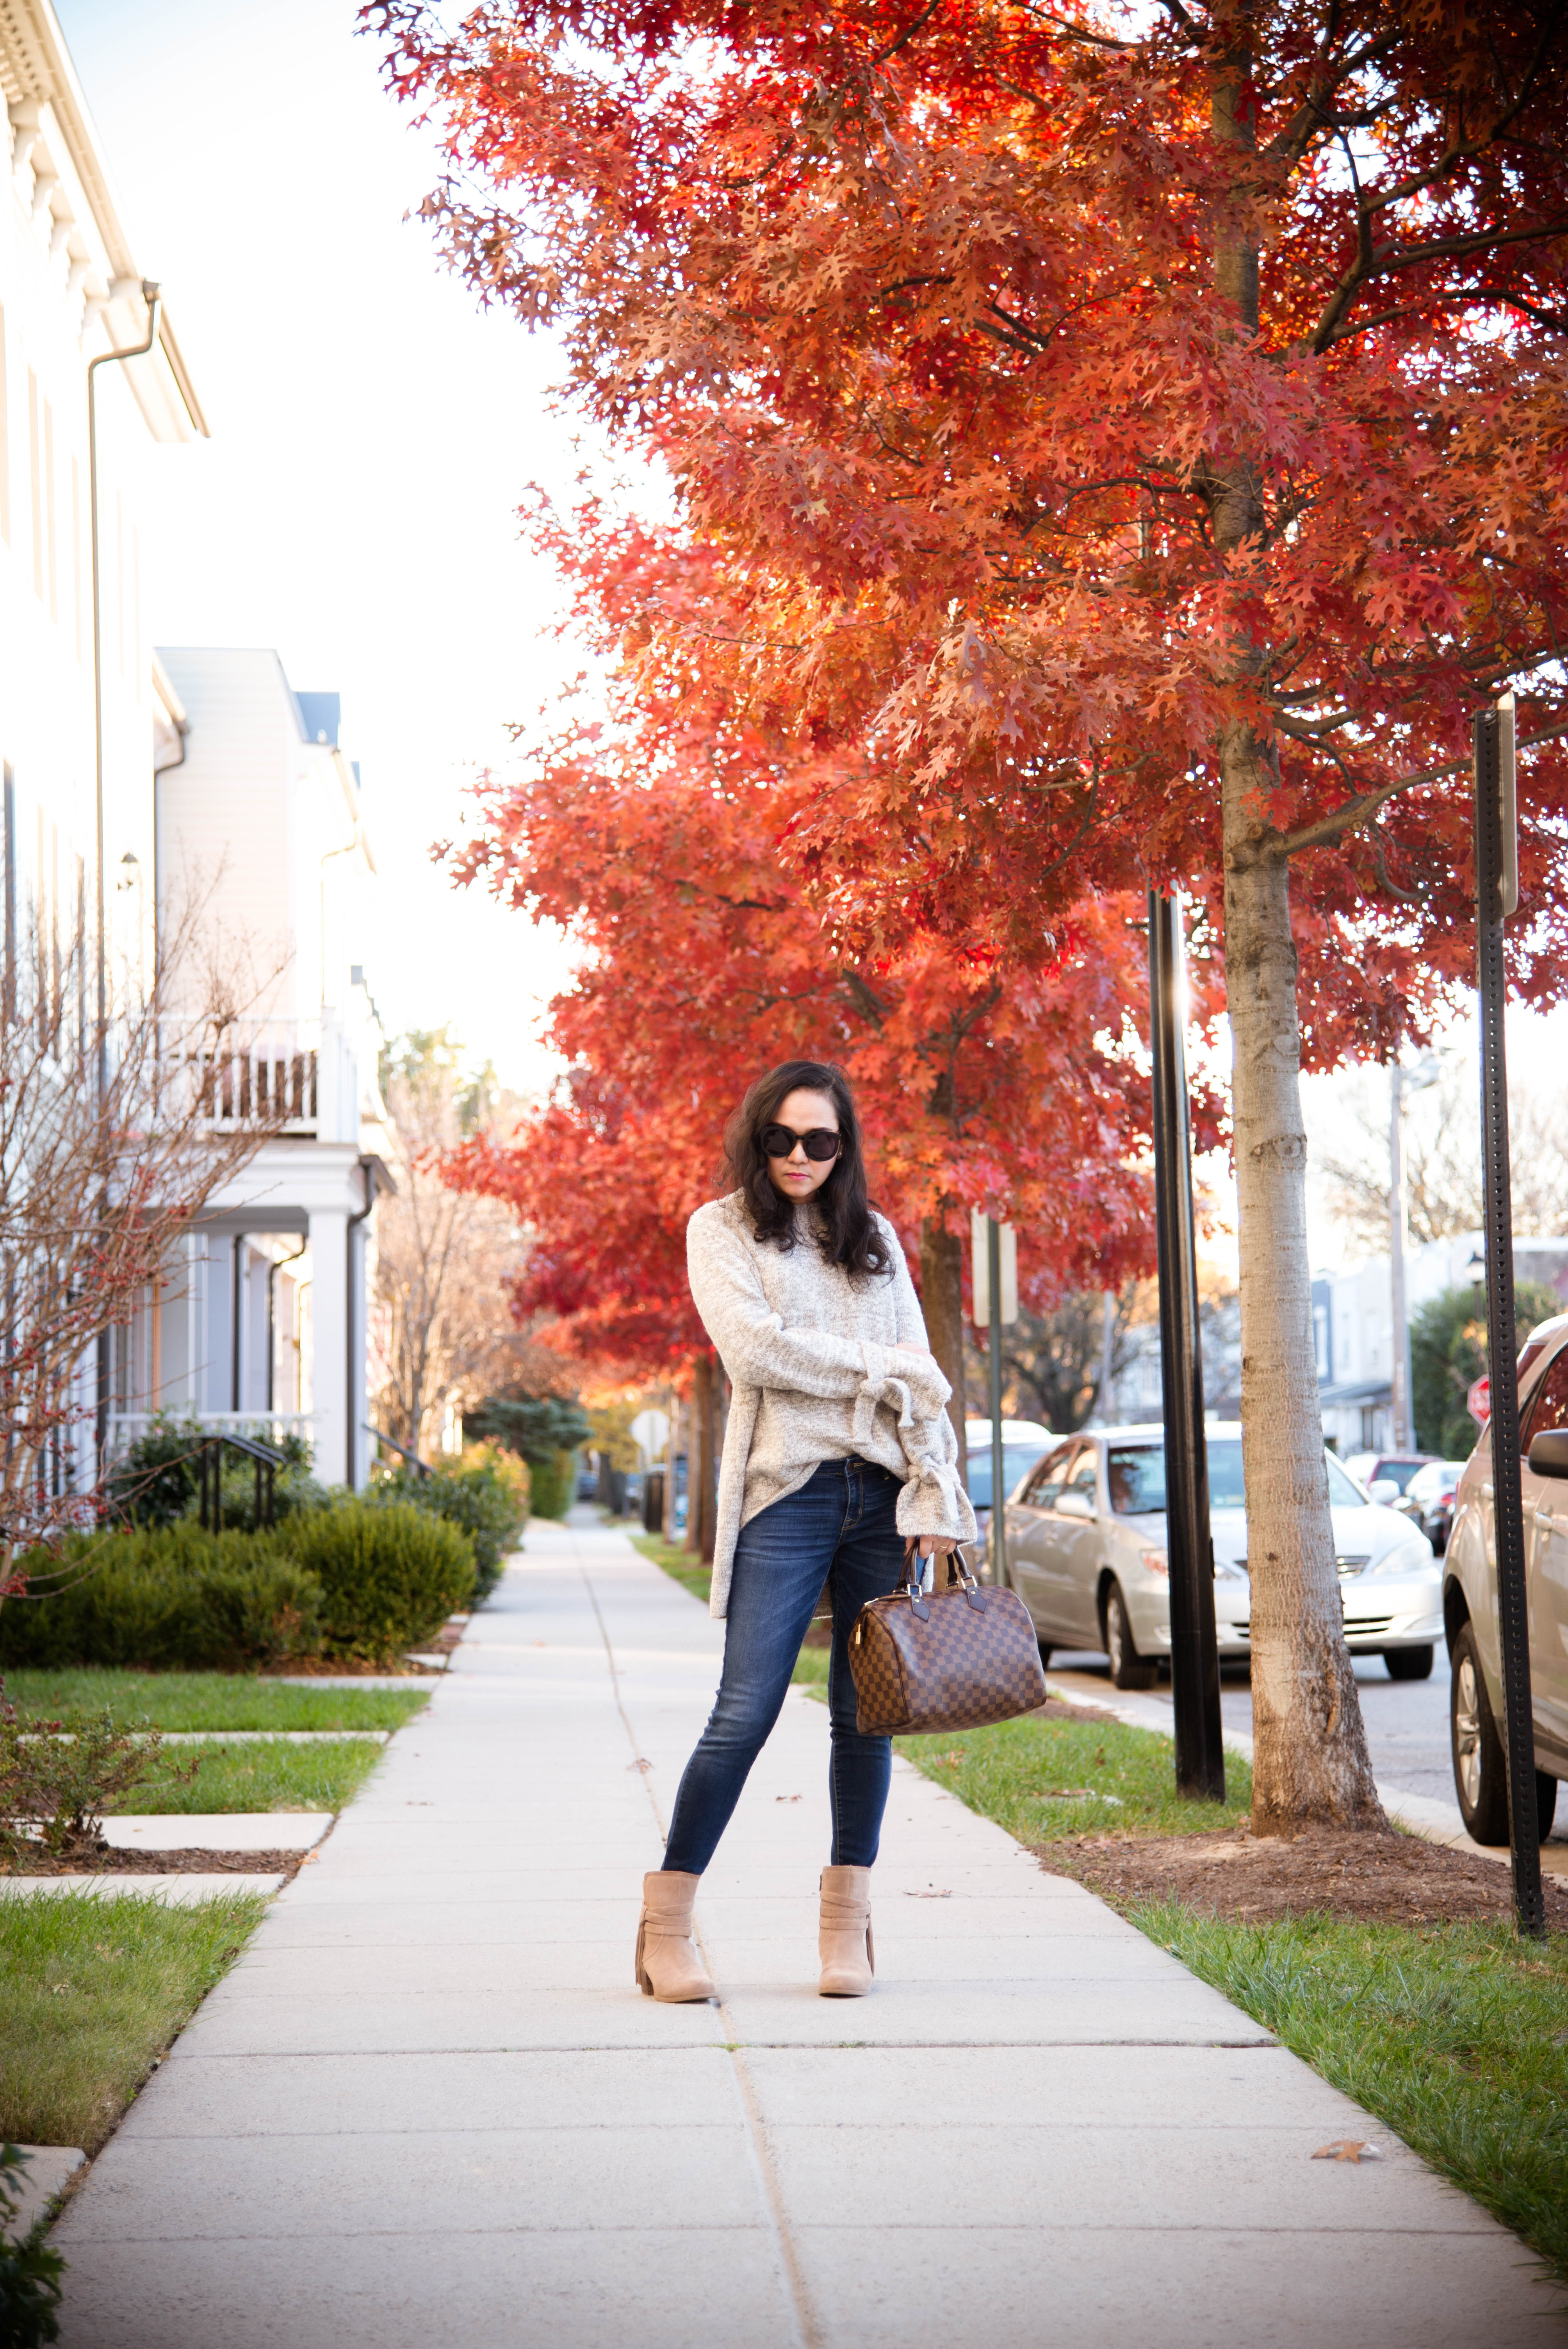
(258, 825)
(136, 785)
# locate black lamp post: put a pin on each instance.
(1190, 1550)
(1497, 897)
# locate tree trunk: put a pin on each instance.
(941, 1302)
(701, 1485)
(1310, 1763)
(671, 1448)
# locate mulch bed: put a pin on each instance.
(109, 1860)
(1393, 1880)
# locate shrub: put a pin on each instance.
(553, 1480)
(485, 1494)
(63, 1786)
(389, 1575)
(157, 1482)
(170, 1599)
(30, 2272)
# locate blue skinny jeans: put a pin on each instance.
(839, 1529)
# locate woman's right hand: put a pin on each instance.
(920, 1358)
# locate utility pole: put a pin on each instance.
(1497, 897)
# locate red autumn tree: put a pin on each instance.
(980, 1080)
(1180, 400)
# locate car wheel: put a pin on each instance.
(1128, 1670)
(1481, 1772)
(1545, 1803)
(1408, 1663)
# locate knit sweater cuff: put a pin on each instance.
(934, 1502)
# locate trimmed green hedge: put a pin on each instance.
(389, 1574)
(477, 1495)
(552, 1484)
(171, 1598)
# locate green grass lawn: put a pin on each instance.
(94, 1989)
(205, 1700)
(1454, 2036)
(254, 1778)
(682, 1565)
(1046, 1780)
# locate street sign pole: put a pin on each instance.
(1194, 1648)
(1497, 897)
(993, 1366)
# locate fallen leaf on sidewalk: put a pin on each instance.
(927, 1896)
(639, 1765)
(786, 1798)
(1348, 2149)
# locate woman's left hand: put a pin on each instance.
(928, 1545)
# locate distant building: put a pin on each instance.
(1353, 1326)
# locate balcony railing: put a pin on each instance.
(295, 1077)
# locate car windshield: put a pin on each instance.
(1017, 1459)
(1136, 1475)
(1394, 1472)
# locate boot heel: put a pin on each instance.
(640, 1971)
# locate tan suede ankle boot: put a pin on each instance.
(845, 1940)
(668, 1966)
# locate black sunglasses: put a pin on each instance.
(779, 1141)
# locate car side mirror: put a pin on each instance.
(1385, 1491)
(1549, 1452)
(1078, 1505)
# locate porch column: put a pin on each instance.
(329, 1341)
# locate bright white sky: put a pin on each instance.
(372, 438)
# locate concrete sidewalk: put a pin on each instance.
(428, 2107)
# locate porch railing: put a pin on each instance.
(128, 1427)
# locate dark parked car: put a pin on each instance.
(1370, 1468)
(1427, 1500)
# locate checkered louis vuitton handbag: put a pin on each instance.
(941, 1660)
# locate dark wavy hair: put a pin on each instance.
(849, 1236)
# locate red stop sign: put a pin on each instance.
(1478, 1403)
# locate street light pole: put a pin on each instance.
(1497, 897)
(1398, 1232)
(1188, 1549)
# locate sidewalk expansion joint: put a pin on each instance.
(809, 2332)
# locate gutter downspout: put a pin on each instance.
(368, 1169)
(154, 300)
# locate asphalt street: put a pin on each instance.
(1406, 1722)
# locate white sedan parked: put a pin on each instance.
(1085, 1548)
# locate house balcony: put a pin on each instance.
(301, 1079)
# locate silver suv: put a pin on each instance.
(1469, 1597)
(1084, 1549)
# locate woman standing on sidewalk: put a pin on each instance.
(837, 1459)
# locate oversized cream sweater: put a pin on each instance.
(808, 1352)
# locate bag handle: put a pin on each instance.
(908, 1586)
